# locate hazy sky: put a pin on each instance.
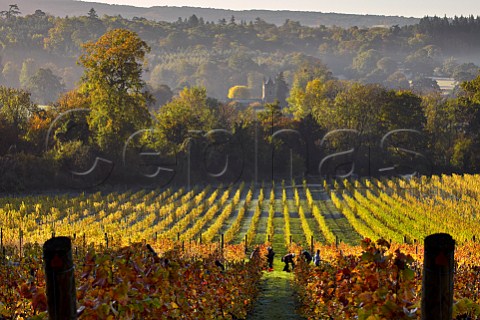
(409, 8)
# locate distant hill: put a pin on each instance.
(63, 8)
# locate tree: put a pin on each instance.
(10, 74)
(315, 99)
(465, 72)
(271, 116)
(239, 92)
(387, 65)
(397, 80)
(307, 73)
(113, 81)
(192, 22)
(59, 38)
(16, 107)
(281, 89)
(162, 94)
(28, 67)
(403, 110)
(12, 12)
(310, 70)
(39, 14)
(45, 86)
(356, 106)
(92, 14)
(187, 111)
(366, 61)
(423, 61)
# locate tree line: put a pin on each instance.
(220, 54)
(102, 131)
(109, 126)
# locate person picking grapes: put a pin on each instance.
(288, 259)
(270, 254)
(316, 258)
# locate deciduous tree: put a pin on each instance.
(45, 86)
(187, 111)
(113, 81)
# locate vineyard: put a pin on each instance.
(155, 254)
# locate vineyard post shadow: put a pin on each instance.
(60, 279)
(438, 270)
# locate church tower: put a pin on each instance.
(268, 91)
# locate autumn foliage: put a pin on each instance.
(377, 280)
(135, 282)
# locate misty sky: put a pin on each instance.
(409, 8)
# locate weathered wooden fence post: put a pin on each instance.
(246, 244)
(311, 244)
(438, 270)
(60, 279)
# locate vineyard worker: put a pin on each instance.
(254, 253)
(270, 255)
(307, 256)
(288, 258)
(316, 258)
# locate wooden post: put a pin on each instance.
(60, 279)
(21, 242)
(311, 244)
(438, 270)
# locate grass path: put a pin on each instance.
(277, 296)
